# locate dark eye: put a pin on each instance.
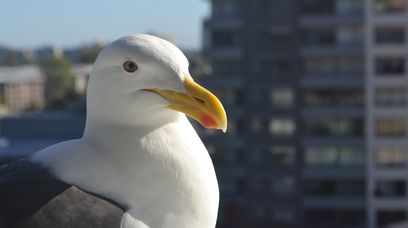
(130, 66)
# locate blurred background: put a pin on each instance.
(315, 92)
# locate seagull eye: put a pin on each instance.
(130, 66)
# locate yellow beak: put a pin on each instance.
(198, 103)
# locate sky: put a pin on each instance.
(69, 23)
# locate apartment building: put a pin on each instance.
(386, 23)
(21, 89)
(316, 96)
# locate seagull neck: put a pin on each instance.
(101, 131)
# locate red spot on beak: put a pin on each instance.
(207, 120)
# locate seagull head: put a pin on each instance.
(144, 80)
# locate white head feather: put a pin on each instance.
(113, 92)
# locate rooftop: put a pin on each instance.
(13, 74)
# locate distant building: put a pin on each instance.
(198, 65)
(21, 89)
(316, 93)
(386, 24)
(10, 57)
(47, 52)
(81, 74)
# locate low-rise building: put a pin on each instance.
(21, 89)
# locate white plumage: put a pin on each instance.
(137, 150)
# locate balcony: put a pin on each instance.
(330, 20)
(327, 13)
(332, 80)
(331, 50)
(334, 218)
(223, 22)
(334, 202)
(333, 102)
(325, 173)
(333, 111)
(223, 81)
(332, 141)
(222, 44)
(390, 189)
(343, 8)
(332, 127)
(228, 53)
(332, 41)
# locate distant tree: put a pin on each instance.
(88, 55)
(14, 58)
(11, 58)
(59, 82)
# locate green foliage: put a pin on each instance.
(59, 81)
(89, 55)
(13, 58)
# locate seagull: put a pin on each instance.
(139, 163)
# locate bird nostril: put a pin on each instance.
(199, 100)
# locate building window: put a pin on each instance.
(224, 39)
(340, 217)
(388, 217)
(334, 156)
(390, 188)
(227, 96)
(279, 37)
(333, 97)
(255, 96)
(326, 127)
(259, 213)
(224, 155)
(224, 9)
(266, 10)
(321, 156)
(282, 185)
(256, 125)
(334, 188)
(342, 36)
(390, 97)
(283, 216)
(332, 66)
(390, 65)
(233, 126)
(226, 69)
(318, 7)
(228, 185)
(388, 157)
(282, 97)
(318, 66)
(349, 7)
(389, 35)
(282, 127)
(277, 68)
(389, 6)
(256, 155)
(347, 66)
(319, 37)
(390, 127)
(232, 211)
(282, 155)
(349, 36)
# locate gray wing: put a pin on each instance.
(31, 197)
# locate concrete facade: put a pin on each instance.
(386, 24)
(316, 93)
